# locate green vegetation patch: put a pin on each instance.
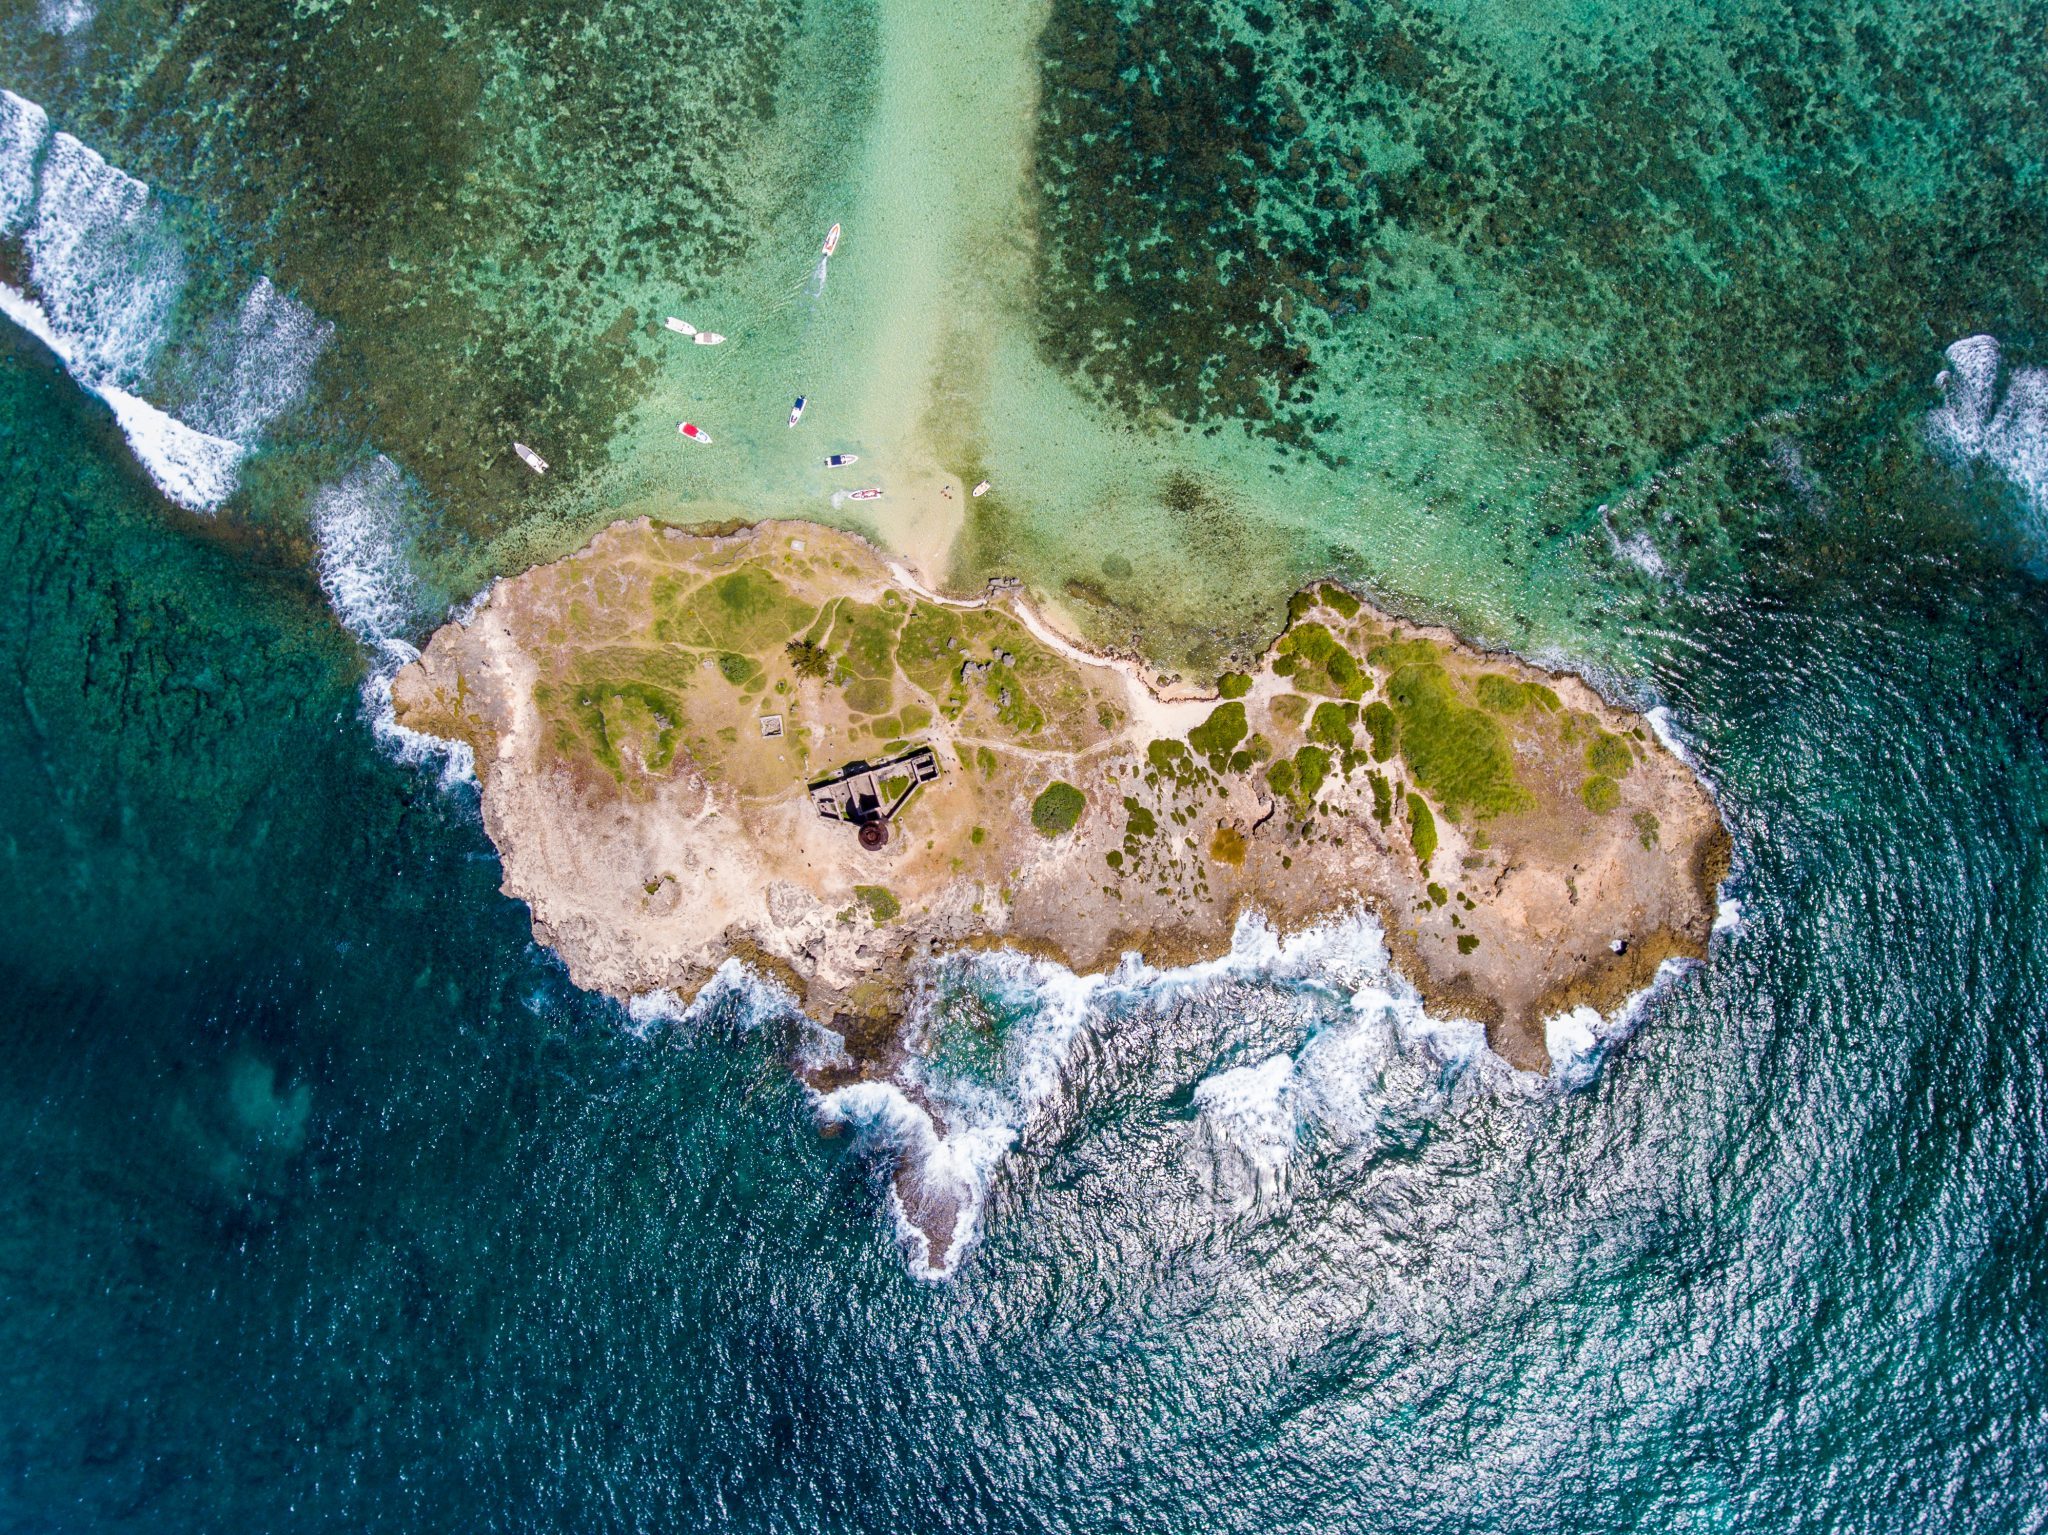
(1457, 752)
(1380, 729)
(737, 669)
(1382, 797)
(1311, 768)
(1338, 600)
(881, 903)
(1318, 664)
(1227, 846)
(1609, 755)
(744, 609)
(603, 719)
(1233, 684)
(868, 695)
(1504, 695)
(1646, 829)
(1219, 733)
(1331, 725)
(1467, 942)
(1421, 830)
(1057, 810)
(1600, 793)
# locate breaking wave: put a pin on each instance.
(999, 1041)
(360, 527)
(106, 276)
(2011, 433)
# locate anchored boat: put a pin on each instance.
(796, 411)
(872, 493)
(685, 328)
(841, 460)
(692, 431)
(531, 459)
(693, 332)
(981, 489)
(832, 240)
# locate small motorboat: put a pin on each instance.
(872, 493)
(981, 489)
(694, 432)
(796, 411)
(531, 459)
(841, 460)
(708, 338)
(832, 240)
(685, 328)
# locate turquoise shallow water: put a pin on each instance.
(325, 1201)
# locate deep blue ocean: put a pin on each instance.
(327, 1202)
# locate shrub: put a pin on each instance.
(1421, 830)
(1331, 725)
(1233, 684)
(881, 904)
(1459, 753)
(807, 660)
(1311, 767)
(1379, 727)
(1600, 793)
(1057, 810)
(1227, 846)
(1217, 734)
(1609, 754)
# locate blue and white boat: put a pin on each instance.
(841, 460)
(796, 411)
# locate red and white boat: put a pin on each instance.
(694, 432)
(872, 493)
(832, 240)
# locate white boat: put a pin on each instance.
(841, 460)
(531, 459)
(694, 432)
(872, 493)
(796, 411)
(981, 489)
(832, 240)
(685, 328)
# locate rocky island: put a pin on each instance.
(662, 724)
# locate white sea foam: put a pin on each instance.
(259, 365)
(24, 130)
(107, 274)
(1580, 1040)
(2010, 433)
(104, 263)
(758, 997)
(952, 1169)
(359, 525)
(66, 18)
(194, 469)
(1245, 1121)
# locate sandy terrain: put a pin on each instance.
(615, 702)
